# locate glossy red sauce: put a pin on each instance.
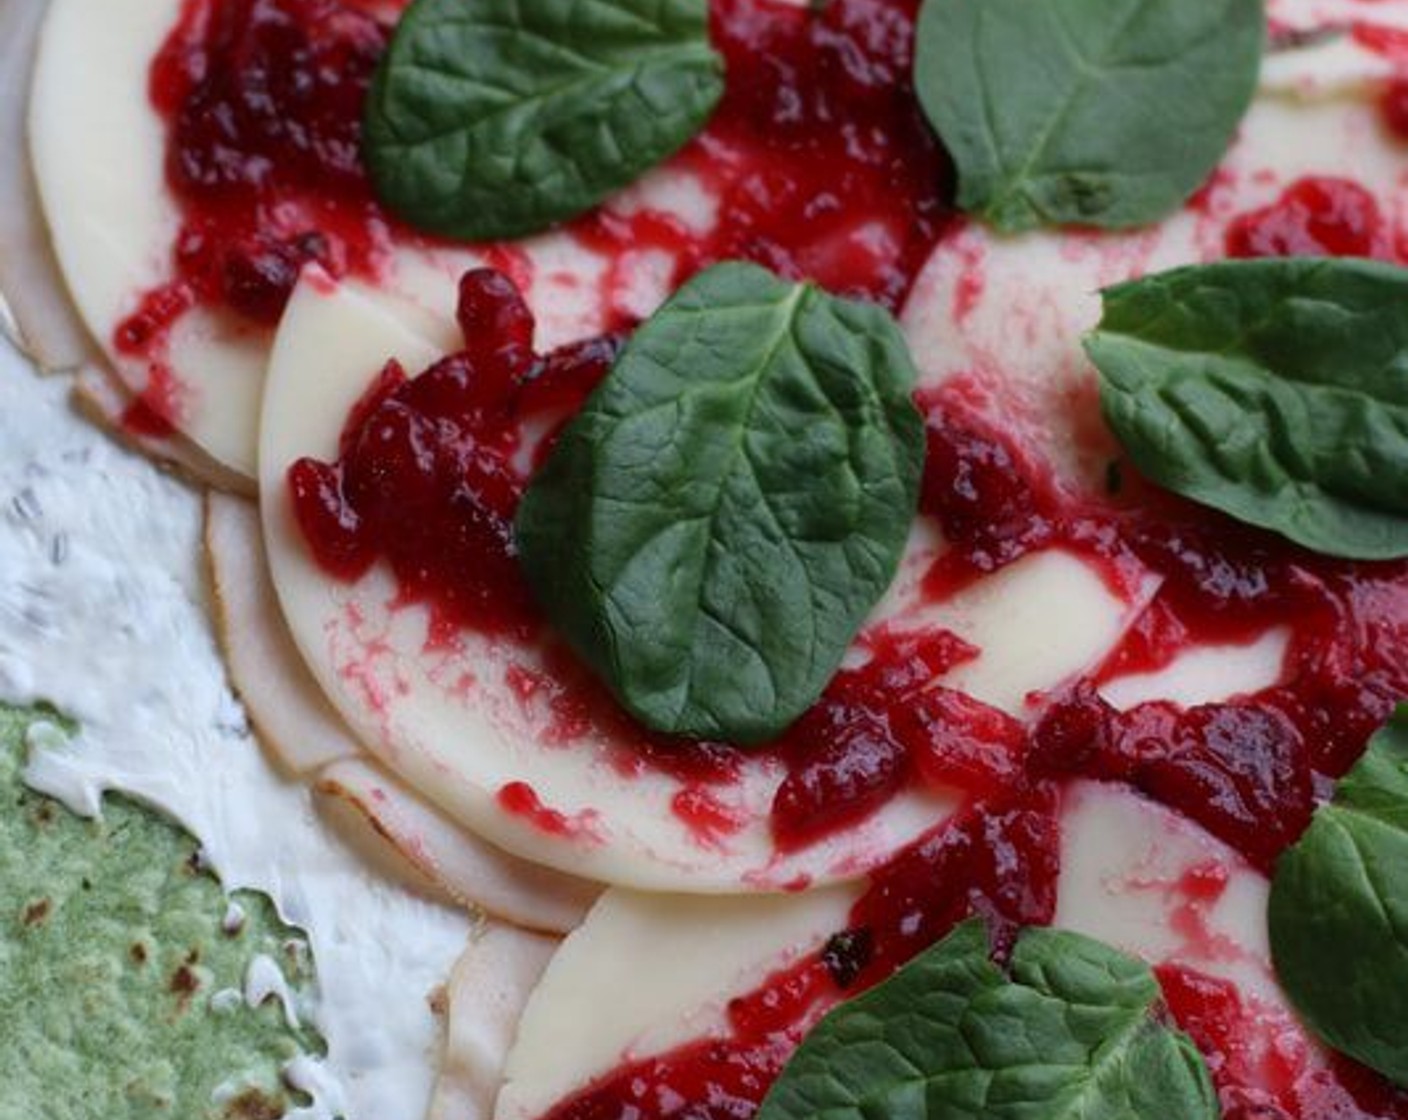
(1250, 770)
(522, 800)
(818, 160)
(1260, 1063)
(263, 101)
(819, 157)
(1315, 217)
(431, 471)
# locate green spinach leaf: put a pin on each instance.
(1339, 911)
(1069, 1032)
(497, 118)
(1094, 112)
(713, 527)
(1273, 390)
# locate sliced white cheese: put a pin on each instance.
(646, 973)
(389, 823)
(1206, 674)
(1036, 623)
(1132, 874)
(449, 723)
(98, 151)
(1152, 883)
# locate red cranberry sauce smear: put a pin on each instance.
(821, 162)
(875, 730)
(997, 859)
(1317, 216)
(1250, 770)
(819, 156)
(520, 799)
(430, 474)
(263, 103)
(1262, 1063)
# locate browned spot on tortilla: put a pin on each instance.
(36, 912)
(254, 1104)
(139, 952)
(439, 1001)
(184, 983)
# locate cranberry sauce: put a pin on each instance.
(819, 160)
(1261, 1063)
(262, 101)
(1314, 217)
(997, 859)
(430, 471)
(818, 155)
(1249, 770)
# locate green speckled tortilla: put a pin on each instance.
(112, 943)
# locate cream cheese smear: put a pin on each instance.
(102, 615)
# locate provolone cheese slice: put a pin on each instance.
(646, 973)
(448, 721)
(1134, 874)
(1152, 883)
(98, 151)
(1206, 674)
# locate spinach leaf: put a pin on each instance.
(713, 527)
(1273, 390)
(1069, 1031)
(1339, 911)
(499, 117)
(1095, 112)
